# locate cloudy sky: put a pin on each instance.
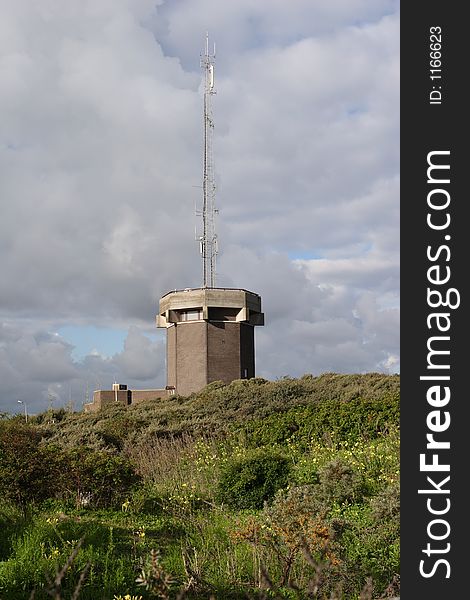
(100, 173)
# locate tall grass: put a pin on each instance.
(331, 532)
(47, 542)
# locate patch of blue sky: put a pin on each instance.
(357, 250)
(89, 339)
(304, 255)
(354, 111)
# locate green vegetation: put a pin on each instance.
(251, 490)
(251, 480)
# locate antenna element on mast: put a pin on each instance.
(208, 239)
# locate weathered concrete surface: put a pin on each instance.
(210, 336)
(174, 304)
(102, 398)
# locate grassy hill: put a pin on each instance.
(256, 489)
(221, 409)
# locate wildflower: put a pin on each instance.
(53, 554)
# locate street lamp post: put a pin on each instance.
(25, 410)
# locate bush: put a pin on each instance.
(350, 407)
(340, 482)
(250, 481)
(371, 541)
(324, 418)
(299, 521)
(12, 521)
(31, 472)
(96, 478)
(386, 505)
(28, 472)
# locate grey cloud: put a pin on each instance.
(36, 364)
(141, 359)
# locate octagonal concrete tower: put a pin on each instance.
(210, 336)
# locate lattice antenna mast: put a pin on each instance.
(209, 237)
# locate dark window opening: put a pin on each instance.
(222, 314)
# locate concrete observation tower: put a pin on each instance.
(210, 330)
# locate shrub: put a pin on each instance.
(371, 545)
(347, 406)
(299, 521)
(386, 505)
(326, 418)
(97, 478)
(12, 521)
(340, 482)
(253, 479)
(28, 472)
(294, 541)
(31, 472)
(115, 431)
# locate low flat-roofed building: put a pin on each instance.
(120, 394)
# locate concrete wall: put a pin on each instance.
(171, 356)
(102, 398)
(143, 395)
(244, 305)
(223, 351)
(191, 357)
(205, 351)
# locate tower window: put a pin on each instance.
(223, 314)
(191, 315)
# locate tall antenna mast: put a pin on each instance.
(209, 237)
